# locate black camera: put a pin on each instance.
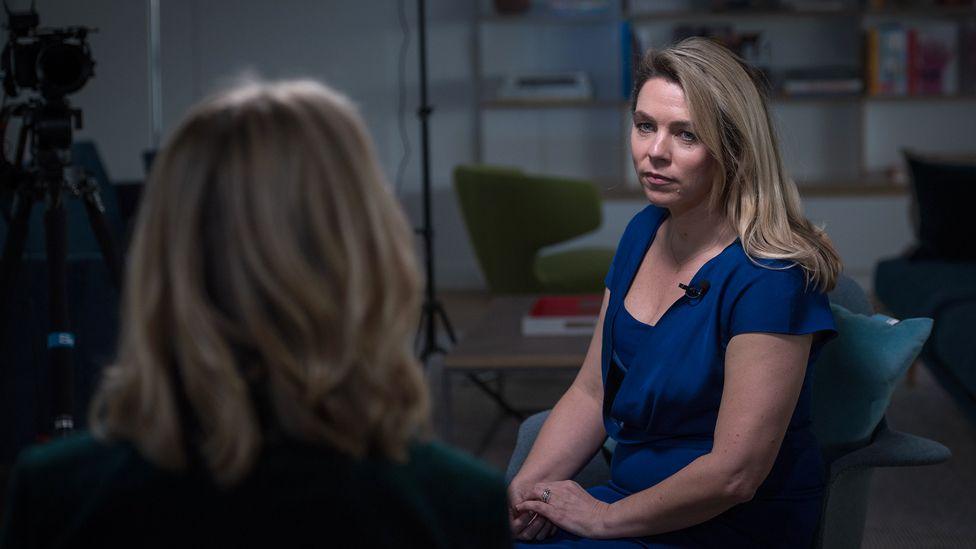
(47, 64)
(54, 62)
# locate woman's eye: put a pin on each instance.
(644, 127)
(688, 137)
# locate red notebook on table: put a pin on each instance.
(562, 315)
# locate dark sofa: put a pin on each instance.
(937, 278)
(946, 292)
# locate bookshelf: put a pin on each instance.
(830, 138)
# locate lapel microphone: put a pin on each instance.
(695, 292)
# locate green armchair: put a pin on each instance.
(511, 216)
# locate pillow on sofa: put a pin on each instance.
(945, 191)
(858, 370)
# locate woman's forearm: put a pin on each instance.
(570, 436)
(700, 491)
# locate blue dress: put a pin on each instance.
(663, 385)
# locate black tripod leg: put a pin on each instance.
(13, 252)
(447, 323)
(496, 396)
(60, 340)
(99, 226)
(429, 329)
(418, 335)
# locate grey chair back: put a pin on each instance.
(849, 295)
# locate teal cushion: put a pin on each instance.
(856, 373)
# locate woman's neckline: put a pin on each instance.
(652, 235)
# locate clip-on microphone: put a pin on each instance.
(695, 292)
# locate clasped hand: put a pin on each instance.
(569, 507)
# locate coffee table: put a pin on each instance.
(495, 344)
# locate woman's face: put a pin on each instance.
(673, 166)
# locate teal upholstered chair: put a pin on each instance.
(855, 445)
(511, 216)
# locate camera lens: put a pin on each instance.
(63, 68)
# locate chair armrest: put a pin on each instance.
(595, 471)
(891, 449)
(937, 344)
(527, 433)
(951, 300)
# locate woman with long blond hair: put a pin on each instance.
(264, 392)
(699, 368)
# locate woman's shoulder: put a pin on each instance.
(748, 271)
(448, 465)
(62, 458)
(67, 478)
(76, 468)
(468, 497)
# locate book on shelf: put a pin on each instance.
(967, 57)
(893, 60)
(630, 57)
(934, 58)
(562, 315)
(923, 59)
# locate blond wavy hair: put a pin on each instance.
(269, 258)
(728, 103)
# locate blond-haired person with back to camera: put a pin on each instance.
(264, 392)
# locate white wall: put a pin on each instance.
(355, 47)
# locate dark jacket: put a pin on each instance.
(80, 492)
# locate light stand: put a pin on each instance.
(432, 308)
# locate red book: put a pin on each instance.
(913, 82)
(567, 315)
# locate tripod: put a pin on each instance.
(48, 126)
(432, 308)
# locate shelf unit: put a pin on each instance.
(862, 180)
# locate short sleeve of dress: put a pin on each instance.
(779, 302)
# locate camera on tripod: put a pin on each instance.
(52, 63)
(55, 62)
(46, 65)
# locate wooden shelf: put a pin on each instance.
(930, 12)
(497, 104)
(812, 98)
(920, 98)
(545, 18)
(687, 15)
(554, 104)
(740, 14)
(837, 189)
(622, 104)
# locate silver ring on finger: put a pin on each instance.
(545, 495)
